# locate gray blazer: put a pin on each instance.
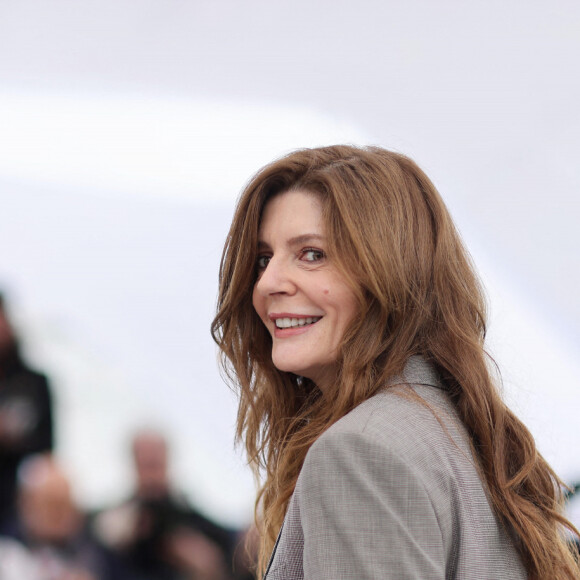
(391, 492)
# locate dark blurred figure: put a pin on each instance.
(51, 528)
(246, 554)
(158, 533)
(26, 423)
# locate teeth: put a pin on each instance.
(295, 322)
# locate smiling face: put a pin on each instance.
(303, 300)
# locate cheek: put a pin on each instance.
(347, 308)
(258, 303)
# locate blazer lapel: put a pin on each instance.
(273, 552)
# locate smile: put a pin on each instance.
(296, 322)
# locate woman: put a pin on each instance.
(351, 319)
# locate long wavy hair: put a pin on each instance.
(391, 236)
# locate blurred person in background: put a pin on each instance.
(159, 535)
(52, 529)
(26, 413)
(245, 558)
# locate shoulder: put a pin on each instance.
(23, 373)
(26, 383)
(34, 375)
(411, 421)
(360, 490)
(405, 441)
(36, 386)
(399, 470)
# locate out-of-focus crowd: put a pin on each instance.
(155, 534)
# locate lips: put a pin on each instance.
(295, 322)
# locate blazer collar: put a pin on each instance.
(418, 371)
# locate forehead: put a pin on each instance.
(291, 211)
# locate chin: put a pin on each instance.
(289, 366)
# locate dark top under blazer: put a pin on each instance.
(391, 492)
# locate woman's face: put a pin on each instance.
(300, 296)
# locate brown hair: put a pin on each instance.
(391, 236)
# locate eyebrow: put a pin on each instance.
(296, 241)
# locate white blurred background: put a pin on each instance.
(128, 128)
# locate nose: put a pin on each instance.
(276, 278)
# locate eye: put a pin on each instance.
(312, 255)
(262, 262)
